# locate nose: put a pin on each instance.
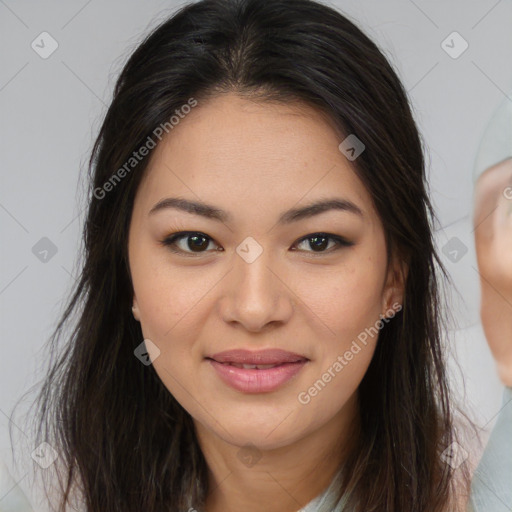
(257, 295)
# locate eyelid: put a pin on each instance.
(340, 241)
(170, 242)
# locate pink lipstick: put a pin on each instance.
(259, 371)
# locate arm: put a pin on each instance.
(493, 241)
(491, 489)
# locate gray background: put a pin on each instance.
(52, 108)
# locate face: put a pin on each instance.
(258, 272)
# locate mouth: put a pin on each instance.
(256, 372)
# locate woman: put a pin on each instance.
(259, 314)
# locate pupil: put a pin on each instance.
(315, 245)
(196, 244)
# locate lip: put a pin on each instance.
(253, 380)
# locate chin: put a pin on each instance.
(266, 432)
(249, 438)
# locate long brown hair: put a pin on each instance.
(124, 442)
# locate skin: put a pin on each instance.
(255, 160)
(493, 241)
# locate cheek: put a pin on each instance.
(174, 309)
(168, 297)
(345, 300)
(165, 306)
(347, 304)
(172, 317)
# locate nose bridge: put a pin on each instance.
(257, 295)
(254, 277)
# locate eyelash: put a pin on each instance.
(170, 242)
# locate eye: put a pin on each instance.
(196, 242)
(319, 242)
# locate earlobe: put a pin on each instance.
(394, 292)
(393, 301)
(135, 310)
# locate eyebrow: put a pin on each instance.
(287, 217)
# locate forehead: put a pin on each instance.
(257, 154)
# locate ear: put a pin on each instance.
(394, 287)
(135, 309)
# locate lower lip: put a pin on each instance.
(254, 380)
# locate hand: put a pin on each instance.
(493, 240)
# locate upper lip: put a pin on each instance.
(268, 356)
